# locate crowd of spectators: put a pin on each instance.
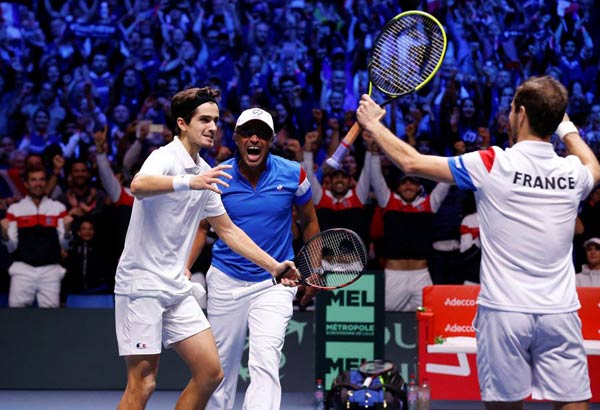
(70, 68)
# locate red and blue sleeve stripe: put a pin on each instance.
(461, 175)
(304, 193)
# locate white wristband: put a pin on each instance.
(564, 128)
(181, 182)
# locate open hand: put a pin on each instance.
(209, 179)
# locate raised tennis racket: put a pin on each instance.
(374, 369)
(405, 56)
(331, 259)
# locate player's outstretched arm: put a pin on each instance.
(369, 116)
(145, 185)
(577, 146)
(241, 243)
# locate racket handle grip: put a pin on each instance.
(367, 382)
(239, 293)
(281, 275)
(335, 161)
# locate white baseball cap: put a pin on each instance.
(255, 114)
(591, 241)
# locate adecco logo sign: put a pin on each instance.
(456, 328)
(454, 302)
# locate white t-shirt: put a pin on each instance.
(527, 199)
(588, 277)
(162, 228)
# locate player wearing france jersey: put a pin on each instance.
(528, 333)
(261, 193)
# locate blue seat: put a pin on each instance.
(90, 301)
(3, 300)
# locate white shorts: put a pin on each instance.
(519, 354)
(142, 323)
(28, 283)
(404, 289)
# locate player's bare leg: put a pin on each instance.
(200, 354)
(579, 405)
(141, 381)
(582, 405)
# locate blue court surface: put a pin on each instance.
(165, 400)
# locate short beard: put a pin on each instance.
(36, 196)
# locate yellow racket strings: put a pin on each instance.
(407, 54)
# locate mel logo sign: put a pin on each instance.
(349, 327)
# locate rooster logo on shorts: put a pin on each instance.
(141, 345)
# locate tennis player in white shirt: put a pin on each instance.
(174, 190)
(529, 338)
